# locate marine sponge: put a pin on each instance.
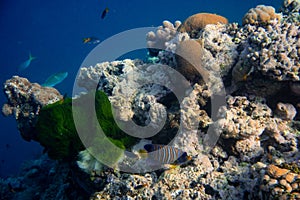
(260, 15)
(195, 23)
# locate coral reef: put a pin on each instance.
(253, 136)
(246, 125)
(291, 8)
(195, 23)
(271, 51)
(260, 15)
(45, 179)
(24, 101)
(157, 41)
(279, 182)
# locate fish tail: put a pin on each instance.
(31, 57)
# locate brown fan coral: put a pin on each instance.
(193, 24)
(188, 59)
(260, 15)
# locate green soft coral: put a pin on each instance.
(56, 131)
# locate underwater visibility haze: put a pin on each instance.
(46, 43)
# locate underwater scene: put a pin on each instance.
(132, 99)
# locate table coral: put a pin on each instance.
(195, 23)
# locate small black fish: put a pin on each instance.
(105, 11)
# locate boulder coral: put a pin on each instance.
(195, 23)
(260, 15)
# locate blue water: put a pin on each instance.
(53, 30)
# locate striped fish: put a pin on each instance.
(166, 154)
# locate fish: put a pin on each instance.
(90, 40)
(105, 11)
(26, 63)
(165, 154)
(55, 79)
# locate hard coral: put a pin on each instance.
(271, 51)
(291, 10)
(195, 23)
(260, 15)
(157, 41)
(188, 58)
(280, 183)
(24, 101)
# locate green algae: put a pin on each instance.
(56, 131)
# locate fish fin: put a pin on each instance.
(143, 153)
(31, 57)
(173, 166)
